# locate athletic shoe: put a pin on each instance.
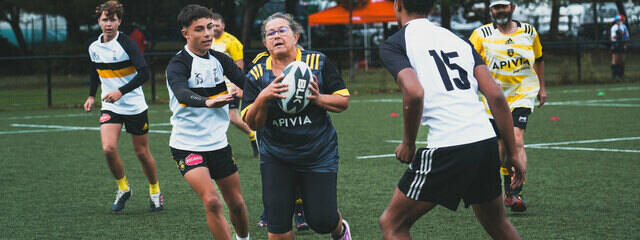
(301, 222)
(254, 146)
(262, 221)
(347, 232)
(121, 198)
(518, 204)
(156, 202)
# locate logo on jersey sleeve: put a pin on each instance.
(105, 117)
(193, 159)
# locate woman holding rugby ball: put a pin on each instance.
(301, 148)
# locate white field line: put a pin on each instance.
(48, 116)
(57, 128)
(615, 89)
(586, 103)
(552, 145)
(587, 149)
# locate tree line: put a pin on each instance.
(239, 15)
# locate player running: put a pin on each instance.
(513, 54)
(199, 101)
(304, 154)
(121, 69)
(439, 75)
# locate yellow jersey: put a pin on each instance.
(510, 59)
(229, 45)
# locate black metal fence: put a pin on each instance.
(51, 81)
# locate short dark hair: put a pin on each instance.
(217, 16)
(422, 7)
(192, 12)
(111, 8)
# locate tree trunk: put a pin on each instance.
(621, 10)
(290, 6)
(73, 30)
(249, 12)
(227, 8)
(445, 14)
(487, 12)
(594, 8)
(14, 21)
(555, 17)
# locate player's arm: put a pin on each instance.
(177, 77)
(334, 96)
(236, 51)
(232, 72)
(255, 102)
(538, 66)
(501, 113)
(94, 81)
(394, 58)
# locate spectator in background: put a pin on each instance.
(619, 38)
(138, 38)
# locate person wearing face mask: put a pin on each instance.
(199, 102)
(513, 53)
(301, 149)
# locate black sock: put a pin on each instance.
(507, 184)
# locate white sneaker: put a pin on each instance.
(156, 202)
(121, 199)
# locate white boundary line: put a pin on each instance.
(59, 128)
(552, 145)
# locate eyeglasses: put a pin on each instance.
(272, 33)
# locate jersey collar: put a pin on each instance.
(298, 58)
(186, 48)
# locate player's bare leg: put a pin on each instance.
(234, 117)
(283, 236)
(401, 214)
(109, 134)
(200, 181)
(492, 217)
(232, 194)
(141, 148)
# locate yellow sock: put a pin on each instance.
(154, 188)
(504, 171)
(252, 136)
(123, 185)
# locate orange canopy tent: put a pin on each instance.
(374, 12)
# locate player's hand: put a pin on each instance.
(219, 101)
(88, 105)
(112, 96)
(315, 89)
(542, 97)
(234, 90)
(274, 89)
(517, 168)
(405, 152)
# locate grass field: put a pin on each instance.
(56, 185)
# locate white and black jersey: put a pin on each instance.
(191, 80)
(119, 65)
(444, 65)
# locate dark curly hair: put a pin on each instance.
(192, 12)
(110, 8)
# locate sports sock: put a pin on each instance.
(344, 228)
(123, 185)
(613, 71)
(154, 188)
(241, 238)
(252, 136)
(506, 180)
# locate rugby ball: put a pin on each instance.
(297, 76)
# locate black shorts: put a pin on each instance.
(137, 124)
(319, 199)
(220, 163)
(446, 175)
(235, 104)
(520, 119)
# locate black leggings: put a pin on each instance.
(279, 181)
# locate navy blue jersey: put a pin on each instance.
(306, 139)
